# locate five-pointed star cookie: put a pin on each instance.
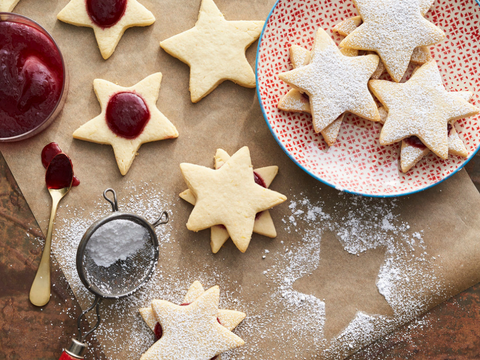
(215, 50)
(191, 331)
(99, 130)
(228, 196)
(8, 5)
(131, 13)
(263, 221)
(335, 83)
(393, 29)
(228, 318)
(420, 107)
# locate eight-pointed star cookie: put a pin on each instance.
(263, 221)
(215, 50)
(228, 318)
(393, 29)
(420, 107)
(335, 83)
(228, 196)
(191, 331)
(8, 5)
(157, 127)
(134, 14)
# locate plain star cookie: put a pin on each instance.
(191, 331)
(263, 221)
(215, 50)
(228, 318)
(8, 5)
(393, 29)
(110, 25)
(335, 83)
(420, 107)
(128, 119)
(228, 196)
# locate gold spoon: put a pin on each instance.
(59, 178)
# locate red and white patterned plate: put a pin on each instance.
(357, 163)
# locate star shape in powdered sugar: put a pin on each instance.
(335, 83)
(158, 127)
(420, 107)
(393, 29)
(135, 14)
(8, 5)
(191, 331)
(346, 283)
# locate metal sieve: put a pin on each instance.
(123, 276)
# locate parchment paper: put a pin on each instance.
(446, 218)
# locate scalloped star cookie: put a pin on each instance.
(421, 107)
(393, 29)
(8, 5)
(215, 50)
(228, 318)
(228, 196)
(263, 221)
(335, 83)
(191, 331)
(107, 26)
(129, 118)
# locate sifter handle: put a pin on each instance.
(67, 356)
(74, 352)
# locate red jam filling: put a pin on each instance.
(261, 182)
(31, 78)
(106, 13)
(48, 153)
(59, 172)
(449, 129)
(127, 114)
(415, 142)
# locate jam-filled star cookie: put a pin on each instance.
(228, 318)
(335, 83)
(129, 118)
(8, 5)
(191, 331)
(393, 29)
(107, 24)
(263, 221)
(421, 107)
(215, 50)
(228, 196)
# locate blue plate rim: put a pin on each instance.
(316, 176)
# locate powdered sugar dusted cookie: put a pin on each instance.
(215, 50)
(263, 221)
(8, 5)
(420, 107)
(191, 331)
(228, 318)
(393, 29)
(110, 25)
(129, 118)
(228, 196)
(334, 82)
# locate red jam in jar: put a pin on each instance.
(32, 78)
(106, 13)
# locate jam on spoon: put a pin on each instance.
(49, 152)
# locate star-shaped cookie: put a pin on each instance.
(393, 29)
(134, 14)
(263, 221)
(157, 127)
(8, 5)
(228, 318)
(420, 107)
(191, 331)
(335, 83)
(215, 50)
(228, 196)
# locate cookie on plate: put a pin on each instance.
(215, 50)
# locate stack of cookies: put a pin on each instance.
(388, 35)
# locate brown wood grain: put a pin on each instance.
(449, 331)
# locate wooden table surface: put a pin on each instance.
(449, 331)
